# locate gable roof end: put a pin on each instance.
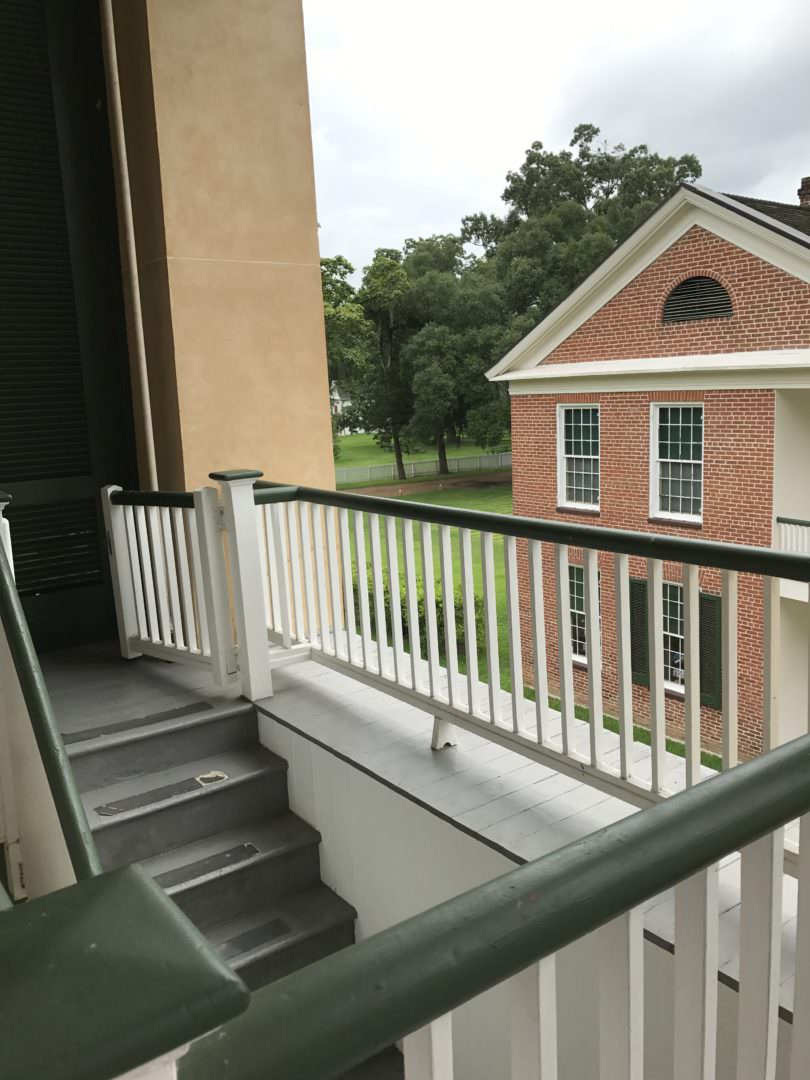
(787, 231)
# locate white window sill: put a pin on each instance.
(590, 508)
(684, 519)
(676, 689)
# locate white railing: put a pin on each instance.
(359, 474)
(169, 580)
(793, 534)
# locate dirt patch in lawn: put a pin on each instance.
(437, 484)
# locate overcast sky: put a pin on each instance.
(419, 108)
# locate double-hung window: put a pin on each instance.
(673, 636)
(578, 456)
(576, 593)
(676, 465)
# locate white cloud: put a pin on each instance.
(419, 110)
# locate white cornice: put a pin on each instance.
(777, 369)
(746, 229)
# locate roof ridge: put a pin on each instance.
(770, 202)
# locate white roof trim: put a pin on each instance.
(779, 368)
(753, 232)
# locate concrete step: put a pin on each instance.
(134, 819)
(238, 870)
(269, 942)
(102, 756)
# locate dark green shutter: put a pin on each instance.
(711, 655)
(639, 644)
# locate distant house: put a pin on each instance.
(339, 401)
(670, 393)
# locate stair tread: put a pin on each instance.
(166, 784)
(121, 733)
(276, 926)
(268, 837)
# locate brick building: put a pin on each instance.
(670, 393)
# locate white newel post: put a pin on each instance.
(120, 572)
(246, 574)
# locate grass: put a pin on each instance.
(435, 478)
(357, 450)
(497, 499)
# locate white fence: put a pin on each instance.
(360, 474)
(169, 580)
(793, 534)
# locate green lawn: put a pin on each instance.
(358, 450)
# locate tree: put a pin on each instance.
(568, 210)
(349, 335)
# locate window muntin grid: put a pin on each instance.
(576, 590)
(580, 448)
(674, 643)
(679, 440)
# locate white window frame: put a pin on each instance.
(655, 509)
(562, 499)
(579, 658)
(675, 687)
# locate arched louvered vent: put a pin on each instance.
(697, 298)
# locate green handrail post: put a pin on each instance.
(73, 820)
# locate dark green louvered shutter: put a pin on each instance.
(639, 644)
(711, 654)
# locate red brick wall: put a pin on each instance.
(771, 308)
(738, 485)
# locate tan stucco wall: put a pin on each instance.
(218, 134)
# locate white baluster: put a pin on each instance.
(135, 572)
(691, 658)
(334, 581)
(728, 605)
(513, 629)
(566, 666)
(186, 599)
(449, 608)
(269, 567)
(295, 571)
(624, 665)
(760, 939)
(411, 601)
(5, 530)
(320, 579)
(593, 637)
(280, 580)
(348, 587)
(533, 1016)
(620, 946)
(396, 597)
(538, 615)
(696, 963)
(305, 522)
(145, 559)
(171, 578)
(199, 584)
(658, 716)
(120, 570)
(378, 592)
(491, 626)
(428, 1052)
(468, 609)
(431, 627)
(362, 588)
(158, 560)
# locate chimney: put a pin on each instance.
(804, 192)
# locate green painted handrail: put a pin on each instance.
(78, 838)
(153, 498)
(322, 1020)
(741, 557)
(791, 521)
